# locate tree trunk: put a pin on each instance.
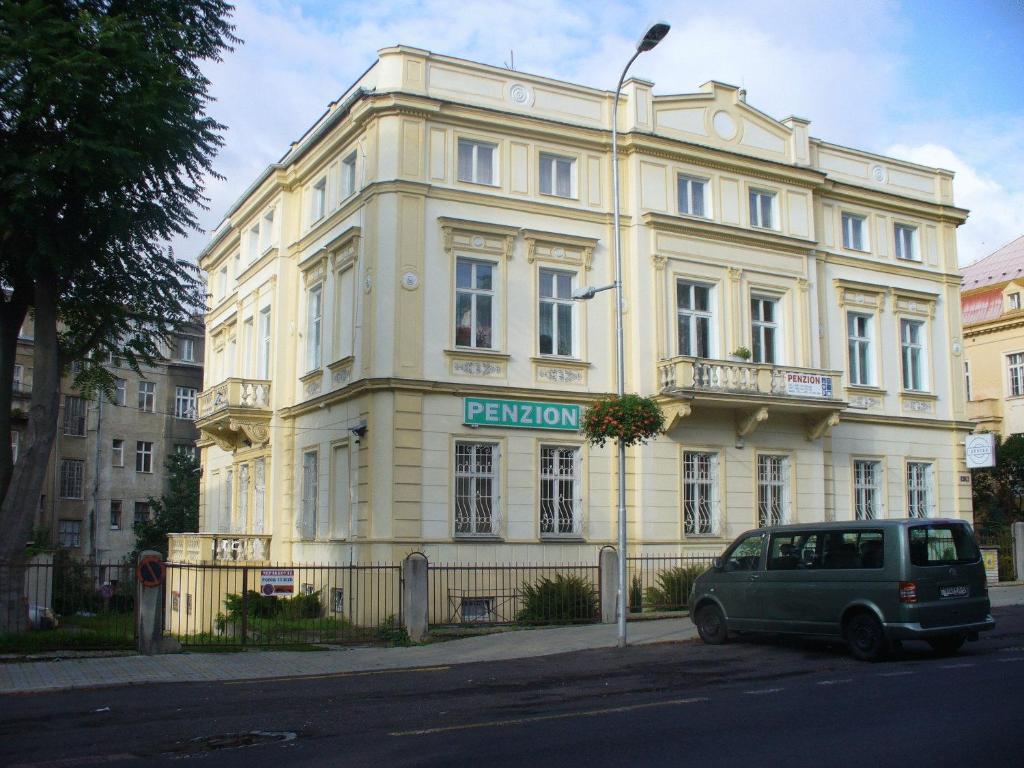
(12, 316)
(20, 502)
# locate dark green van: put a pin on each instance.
(873, 583)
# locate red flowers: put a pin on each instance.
(632, 419)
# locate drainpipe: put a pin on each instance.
(96, 481)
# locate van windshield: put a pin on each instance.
(942, 544)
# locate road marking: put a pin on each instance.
(894, 674)
(64, 762)
(1009, 661)
(543, 718)
(764, 691)
(956, 666)
(328, 675)
(836, 682)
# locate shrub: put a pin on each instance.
(561, 600)
(636, 595)
(268, 607)
(673, 589)
(630, 418)
(393, 633)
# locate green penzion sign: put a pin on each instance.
(523, 414)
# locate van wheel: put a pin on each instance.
(947, 644)
(711, 626)
(866, 638)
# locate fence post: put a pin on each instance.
(149, 635)
(415, 602)
(1018, 550)
(245, 602)
(609, 570)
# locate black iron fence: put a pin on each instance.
(663, 582)
(1003, 539)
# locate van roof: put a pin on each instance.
(847, 524)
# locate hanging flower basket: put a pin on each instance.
(630, 418)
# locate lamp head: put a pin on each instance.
(653, 36)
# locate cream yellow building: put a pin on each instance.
(993, 320)
(395, 362)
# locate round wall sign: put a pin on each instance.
(410, 281)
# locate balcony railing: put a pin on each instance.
(235, 393)
(218, 548)
(745, 378)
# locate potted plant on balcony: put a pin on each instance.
(740, 354)
(630, 418)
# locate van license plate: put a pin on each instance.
(958, 590)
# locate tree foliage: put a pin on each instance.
(177, 511)
(999, 491)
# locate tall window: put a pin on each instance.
(263, 358)
(344, 312)
(243, 498)
(74, 416)
(222, 282)
(267, 231)
(967, 378)
(348, 176)
(557, 175)
(185, 402)
(117, 452)
(248, 344)
(142, 512)
(556, 313)
(858, 339)
(188, 350)
(19, 382)
(147, 396)
(143, 456)
(762, 209)
(764, 328)
(919, 489)
(314, 326)
(120, 392)
(560, 491)
(116, 511)
(309, 494)
(1013, 300)
(866, 490)
(476, 489)
(476, 161)
(854, 232)
(15, 446)
(228, 505)
(912, 343)
(693, 308)
(69, 533)
(700, 493)
(906, 242)
(474, 304)
(318, 203)
(72, 473)
(1015, 365)
(692, 194)
(772, 490)
(252, 247)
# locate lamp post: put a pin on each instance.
(651, 38)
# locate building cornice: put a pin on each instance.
(946, 278)
(711, 230)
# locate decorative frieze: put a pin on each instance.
(553, 247)
(477, 368)
(477, 236)
(560, 375)
(918, 406)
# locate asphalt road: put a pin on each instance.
(758, 701)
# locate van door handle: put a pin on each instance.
(753, 577)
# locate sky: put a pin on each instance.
(936, 82)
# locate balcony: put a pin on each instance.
(220, 548)
(753, 391)
(235, 413)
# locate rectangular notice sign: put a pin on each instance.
(277, 581)
(808, 384)
(521, 414)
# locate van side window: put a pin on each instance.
(853, 549)
(746, 555)
(791, 551)
(942, 544)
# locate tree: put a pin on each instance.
(177, 511)
(104, 148)
(998, 493)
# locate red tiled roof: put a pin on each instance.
(980, 307)
(1000, 267)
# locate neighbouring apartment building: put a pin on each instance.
(108, 457)
(993, 320)
(395, 363)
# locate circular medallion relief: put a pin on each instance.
(878, 174)
(410, 281)
(724, 125)
(558, 252)
(478, 242)
(520, 94)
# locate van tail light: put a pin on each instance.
(908, 592)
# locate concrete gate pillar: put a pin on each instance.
(1018, 549)
(415, 598)
(609, 585)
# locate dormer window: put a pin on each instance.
(1013, 300)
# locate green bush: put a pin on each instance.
(393, 633)
(673, 589)
(562, 600)
(268, 607)
(636, 595)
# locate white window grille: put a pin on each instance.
(477, 609)
(143, 456)
(307, 523)
(476, 489)
(476, 162)
(920, 500)
(693, 310)
(906, 242)
(560, 491)
(1015, 367)
(69, 533)
(866, 490)
(557, 311)
(762, 209)
(772, 490)
(474, 304)
(692, 196)
(700, 493)
(147, 396)
(72, 472)
(859, 339)
(117, 452)
(185, 402)
(314, 326)
(764, 328)
(557, 175)
(912, 341)
(854, 232)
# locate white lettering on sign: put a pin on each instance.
(474, 408)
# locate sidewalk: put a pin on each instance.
(29, 677)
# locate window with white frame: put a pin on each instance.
(72, 474)
(557, 175)
(185, 402)
(967, 378)
(143, 456)
(243, 498)
(867, 475)
(19, 381)
(476, 489)
(15, 446)
(263, 355)
(474, 303)
(187, 348)
(314, 326)
(267, 231)
(222, 282)
(693, 319)
(1015, 368)
(912, 344)
(700, 493)
(238, 262)
(919, 489)
(310, 483)
(147, 396)
(120, 392)
(348, 176)
(1013, 300)
(318, 200)
(69, 533)
(74, 416)
(252, 245)
(859, 339)
(906, 242)
(772, 490)
(762, 209)
(476, 162)
(854, 232)
(344, 308)
(229, 499)
(116, 512)
(117, 452)
(693, 196)
(248, 343)
(560, 491)
(557, 314)
(764, 327)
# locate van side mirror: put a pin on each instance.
(719, 562)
